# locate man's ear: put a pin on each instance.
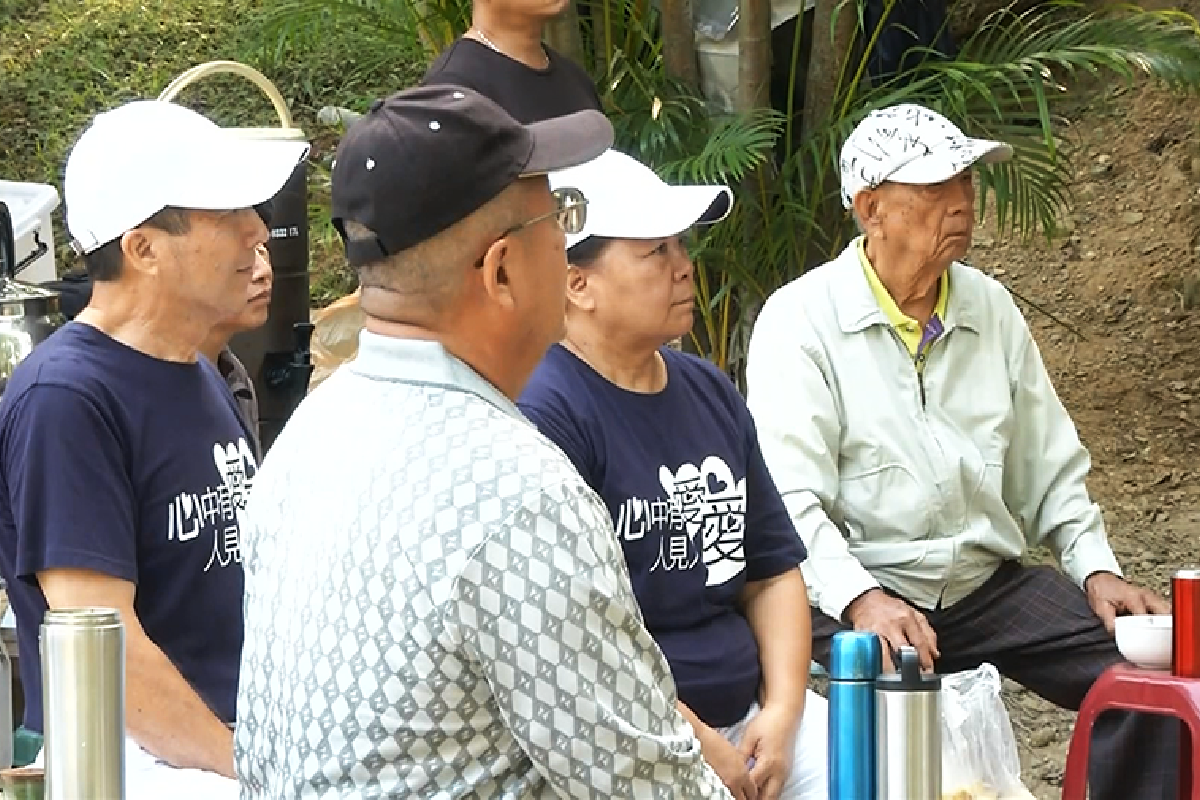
(144, 249)
(578, 288)
(496, 272)
(866, 208)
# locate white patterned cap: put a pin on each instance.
(910, 144)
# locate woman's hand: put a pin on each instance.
(770, 742)
(728, 762)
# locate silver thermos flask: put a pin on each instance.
(908, 712)
(83, 699)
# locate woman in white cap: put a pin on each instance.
(667, 442)
(912, 429)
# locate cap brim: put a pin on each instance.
(946, 162)
(241, 173)
(567, 141)
(669, 212)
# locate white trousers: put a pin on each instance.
(147, 778)
(809, 778)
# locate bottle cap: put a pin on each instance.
(908, 676)
(855, 656)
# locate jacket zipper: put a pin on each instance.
(919, 362)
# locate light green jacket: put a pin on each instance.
(926, 498)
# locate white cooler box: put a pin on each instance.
(31, 205)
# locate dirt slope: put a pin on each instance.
(1126, 277)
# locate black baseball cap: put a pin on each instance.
(427, 157)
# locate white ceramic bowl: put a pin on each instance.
(1146, 640)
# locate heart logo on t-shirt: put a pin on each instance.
(711, 505)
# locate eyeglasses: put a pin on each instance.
(570, 209)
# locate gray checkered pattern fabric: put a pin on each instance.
(436, 607)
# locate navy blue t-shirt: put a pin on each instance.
(137, 468)
(694, 507)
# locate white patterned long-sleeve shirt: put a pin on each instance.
(436, 607)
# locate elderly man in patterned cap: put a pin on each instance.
(912, 429)
(436, 606)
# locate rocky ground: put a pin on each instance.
(1126, 277)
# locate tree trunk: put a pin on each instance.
(754, 92)
(829, 52)
(679, 42)
(754, 54)
(563, 35)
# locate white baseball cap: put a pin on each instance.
(626, 200)
(142, 157)
(910, 144)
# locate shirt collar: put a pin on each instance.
(423, 362)
(884, 298)
(233, 371)
(859, 309)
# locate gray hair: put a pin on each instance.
(430, 272)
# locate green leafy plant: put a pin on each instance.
(382, 25)
(1009, 81)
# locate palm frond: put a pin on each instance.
(734, 147)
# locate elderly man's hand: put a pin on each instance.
(1110, 597)
(895, 622)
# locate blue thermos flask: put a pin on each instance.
(855, 661)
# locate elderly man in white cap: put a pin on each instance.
(912, 429)
(124, 466)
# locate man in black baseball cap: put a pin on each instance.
(435, 601)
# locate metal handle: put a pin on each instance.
(909, 665)
(38, 252)
(235, 68)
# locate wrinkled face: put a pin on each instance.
(642, 289)
(934, 221)
(211, 266)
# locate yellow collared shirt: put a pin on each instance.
(909, 329)
(923, 486)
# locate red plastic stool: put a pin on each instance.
(1124, 687)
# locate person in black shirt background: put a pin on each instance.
(502, 57)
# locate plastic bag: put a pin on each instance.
(335, 337)
(979, 751)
